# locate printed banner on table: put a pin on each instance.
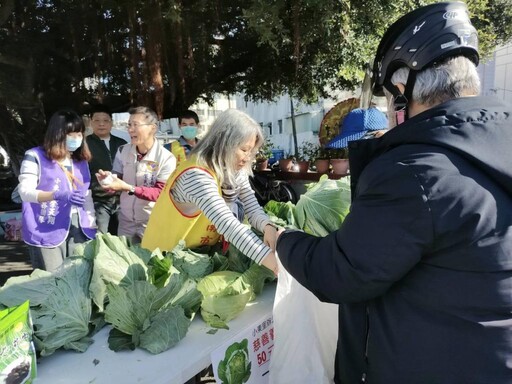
(245, 359)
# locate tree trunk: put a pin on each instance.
(134, 57)
(155, 54)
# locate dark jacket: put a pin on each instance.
(103, 159)
(422, 265)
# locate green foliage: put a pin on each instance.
(265, 151)
(163, 54)
(309, 151)
(339, 153)
(323, 154)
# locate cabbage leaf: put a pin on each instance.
(144, 312)
(60, 305)
(114, 263)
(322, 209)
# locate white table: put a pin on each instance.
(100, 365)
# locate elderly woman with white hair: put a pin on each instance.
(209, 194)
(140, 171)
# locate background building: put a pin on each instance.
(496, 74)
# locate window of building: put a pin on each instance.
(280, 126)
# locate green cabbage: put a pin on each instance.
(59, 304)
(221, 301)
(322, 209)
(226, 293)
(281, 213)
(114, 263)
(195, 265)
(145, 315)
(149, 298)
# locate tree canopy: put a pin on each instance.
(167, 54)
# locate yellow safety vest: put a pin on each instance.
(168, 224)
(178, 151)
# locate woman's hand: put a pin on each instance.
(111, 183)
(270, 262)
(270, 236)
(279, 233)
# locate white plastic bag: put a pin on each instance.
(306, 333)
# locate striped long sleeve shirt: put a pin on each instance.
(198, 187)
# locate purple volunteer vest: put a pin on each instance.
(47, 224)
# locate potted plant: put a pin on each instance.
(263, 154)
(308, 152)
(287, 164)
(322, 160)
(339, 161)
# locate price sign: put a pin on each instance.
(245, 358)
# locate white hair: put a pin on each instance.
(451, 79)
(217, 149)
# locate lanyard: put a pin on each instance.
(74, 181)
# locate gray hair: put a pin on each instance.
(217, 149)
(149, 115)
(451, 79)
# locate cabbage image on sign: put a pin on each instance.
(236, 366)
(245, 358)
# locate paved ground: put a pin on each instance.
(14, 259)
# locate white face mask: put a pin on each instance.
(73, 143)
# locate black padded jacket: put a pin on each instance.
(422, 265)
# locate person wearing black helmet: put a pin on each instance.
(422, 266)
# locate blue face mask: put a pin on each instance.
(73, 143)
(189, 132)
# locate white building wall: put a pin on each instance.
(487, 72)
(503, 72)
(275, 118)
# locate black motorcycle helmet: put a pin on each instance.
(420, 39)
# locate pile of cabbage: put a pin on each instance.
(319, 211)
(148, 298)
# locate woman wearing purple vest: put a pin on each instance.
(57, 210)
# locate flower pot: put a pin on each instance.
(286, 165)
(261, 165)
(303, 166)
(322, 165)
(339, 166)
